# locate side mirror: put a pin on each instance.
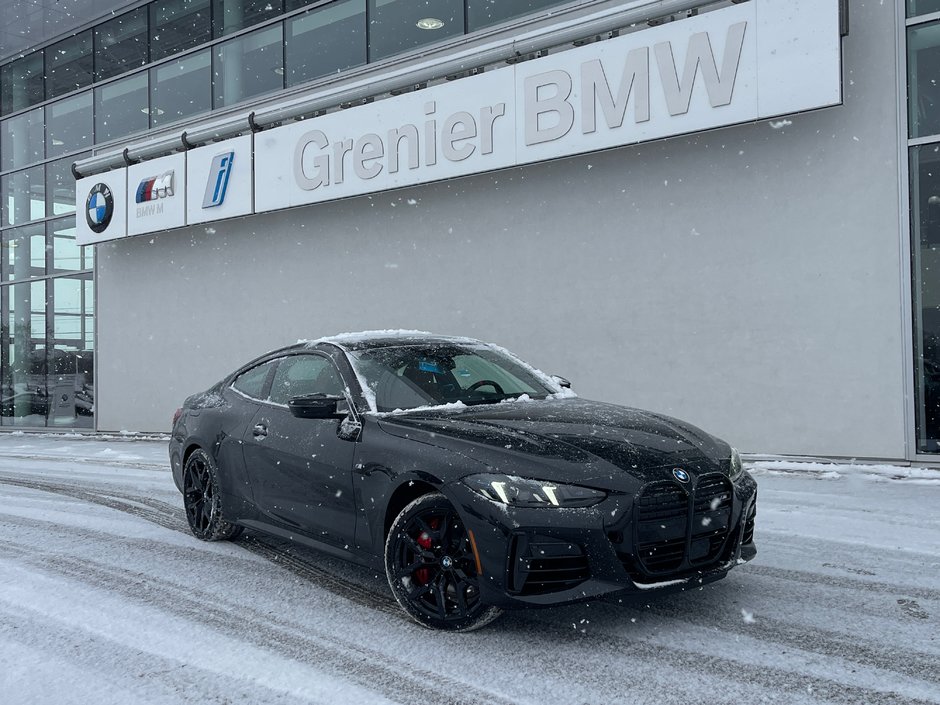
(315, 406)
(561, 382)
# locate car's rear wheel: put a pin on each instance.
(431, 567)
(202, 499)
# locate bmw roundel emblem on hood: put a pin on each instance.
(680, 474)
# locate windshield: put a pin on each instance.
(411, 376)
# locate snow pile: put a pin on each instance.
(833, 471)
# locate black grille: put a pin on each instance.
(540, 564)
(749, 524)
(666, 540)
(711, 519)
(662, 525)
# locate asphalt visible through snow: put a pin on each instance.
(106, 597)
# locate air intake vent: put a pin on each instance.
(749, 524)
(541, 564)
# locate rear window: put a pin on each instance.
(251, 382)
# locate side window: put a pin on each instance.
(251, 383)
(304, 374)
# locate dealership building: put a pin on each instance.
(727, 212)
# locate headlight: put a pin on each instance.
(737, 467)
(519, 492)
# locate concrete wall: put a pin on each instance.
(747, 280)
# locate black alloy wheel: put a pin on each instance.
(431, 567)
(202, 500)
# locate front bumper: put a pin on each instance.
(548, 556)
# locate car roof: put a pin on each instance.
(387, 338)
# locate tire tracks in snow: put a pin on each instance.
(686, 660)
(171, 517)
(842, 582)
(377, 671)
(143, 675)
(363, 663)
(819, 642)
(916, 665)
(92, 460)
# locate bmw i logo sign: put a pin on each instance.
(99, 207)
(680, 474)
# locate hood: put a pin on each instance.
(567, 440)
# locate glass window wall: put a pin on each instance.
(232, 15)
(24, 251)
(483, 13)
(21, 140)
(925, 236)
(25, 398)
(24, 196)
(181, 88)
(923, 87)
(69, 124)
(325, 40)
(70, 375)
(66, 255)
(177, 25)
(121, 44)
(121, 108)
(69, 65)
(248, 66)
(60, 186)
(21, 83)
(922, 7)
(400, 25)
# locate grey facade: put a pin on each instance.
(750, 279)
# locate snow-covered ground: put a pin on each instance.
(106, 598)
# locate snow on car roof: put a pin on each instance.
(379, 338)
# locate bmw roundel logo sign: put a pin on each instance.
(680, 474)
(99, 207)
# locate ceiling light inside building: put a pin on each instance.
(429, 23)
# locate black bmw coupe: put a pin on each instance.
(476, 482)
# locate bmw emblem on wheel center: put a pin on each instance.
(680, 474)
(99, 207)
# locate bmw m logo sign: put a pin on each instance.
(219, 172)
(155, 187)
(99, 207)
(680, 474)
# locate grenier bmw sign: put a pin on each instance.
(741, 63)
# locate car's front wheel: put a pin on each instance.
(431, 567)
(202, 499)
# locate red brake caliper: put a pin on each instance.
(423, 575)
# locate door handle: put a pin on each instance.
(260, 431)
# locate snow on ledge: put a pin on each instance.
(833, 470)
